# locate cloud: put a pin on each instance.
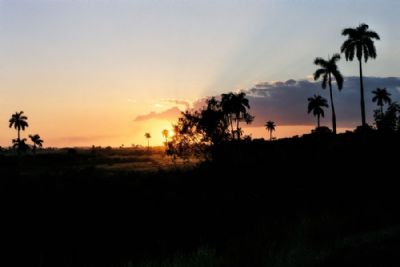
(182, 102)
(286, 102)
(169, 114)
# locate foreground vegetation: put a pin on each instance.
(317, 200)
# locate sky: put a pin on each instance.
(98, 72)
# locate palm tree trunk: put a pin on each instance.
(382, 110)
(318, 120)
(270, 134)
(231, 123)
(362, 95)
(237, 126)
(19, 134)
(332, 106)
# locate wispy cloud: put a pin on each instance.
(169, 114)
(176, 101)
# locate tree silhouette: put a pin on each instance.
(388, 121)
(37, 142)
(235, 108)
(316, 105)
(165, 134)
(148, 136)
(360, 43)
(381, 96)
(19, 122)
(20, 145)
(270, 126)
(327, 70)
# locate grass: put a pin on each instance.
(128, 207)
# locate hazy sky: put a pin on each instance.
(83, 70)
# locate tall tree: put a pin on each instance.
(381, 96)
(235, 108)
(270, 126)
(37, 142)
(148, 136)
(19, 122)
(316, 105)
(360, 42)
(328, 71)
(165, 134)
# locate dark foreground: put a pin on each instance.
(312, 201)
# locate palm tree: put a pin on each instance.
(270, 126)
(381, 97)
(360, 43)
(148, 136)
(235, 108)
(19, 121)
(37, 142)
(327, 70)
(165, 133)
(316, 104)
(227, 108)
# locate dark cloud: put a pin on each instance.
(169, 114)
(286, 102)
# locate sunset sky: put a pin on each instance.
(105, 72)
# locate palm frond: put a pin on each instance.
(372, 35)
(324, 80)
(363, 27)
(320, 62)
(339, 78)
(318, 73)
(348, 31)
(371, 48)
(335, 58)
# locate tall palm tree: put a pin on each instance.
(37, 142)
(316, 105)
(227, 108)
(235, 107)
(165, 133)
(270, 126)
(19, 121)
(327, 70)
(148, 136)
(360, 43)
(381, 96)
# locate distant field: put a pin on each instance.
(109, 160)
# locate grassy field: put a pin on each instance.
(292, 202)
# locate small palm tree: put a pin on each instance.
(148, 136)
(360, 42)
(19, 121)
(327, 70)
(165, 134)
(37, 142)
(316, 105)
(270, 126)
(381, 96)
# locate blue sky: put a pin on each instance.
(88, 61)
